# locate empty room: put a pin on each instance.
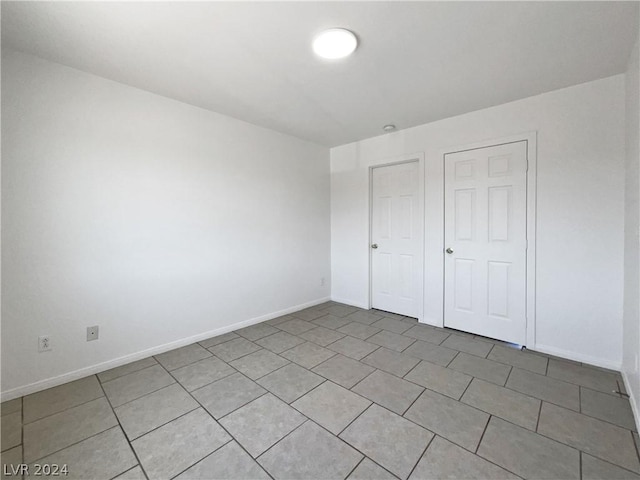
(320, 240)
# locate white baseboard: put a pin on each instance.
(350, 302)
(632, 399)
(578, 357)
(117, 362)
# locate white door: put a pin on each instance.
(486, 241)
(397, 238)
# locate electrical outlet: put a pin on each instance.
(44, 343)
(322, 282)
(92, 333)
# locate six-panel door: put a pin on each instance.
(396, 232)
(485, 231)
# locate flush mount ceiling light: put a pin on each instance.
(335, 43)
(389, 128)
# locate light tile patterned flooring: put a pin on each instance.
(332, 392)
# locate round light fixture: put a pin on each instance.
(335, 43)
(389, 128)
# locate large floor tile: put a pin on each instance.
(388, 439)
(136, 384)
(596, 469)
(310, 452)
(593, 436)
(10, 431)
(182, 356)
(431, 353)
(585, 376)
(340, 310)
(279, 342)
(261, 423)
(309, 314)
(389, 391)
(224, 396)
(102, 456)
(369, 470)
(364, 317)
(296, 326)
(358, 330)
(11, 462)
(391, 361)
(280, 319)
(392, 325)
(176, 446)
(290, 382)
(528, 454)
(258, 364)
(202, 373)
(488, 370)
(343, 370)
(230, 462)
(519, 358)
(60, 430)
(427, 334)
(444, 459)
(607, 407)
(332, 322)
(217, 340)
(504, 403)
(322, 336)
(257, 331)
(151, 411)
(126, 369)
(545, 388)
(352, 347)
(440, 379)
(449, 418)
(308, 354)
(332, 406)
(391, 340)
(57, 399)
(468, 345)
(236, 348)
(11, 406)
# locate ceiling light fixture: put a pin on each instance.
(389, 128)
(335, 43)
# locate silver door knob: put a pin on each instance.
(449, 250)
(374, 246)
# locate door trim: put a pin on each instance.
(531, 140)
(386, 162)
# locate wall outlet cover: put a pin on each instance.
(93, 333)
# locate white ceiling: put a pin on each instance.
(417, 61)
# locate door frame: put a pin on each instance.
(531, 139)
(387, 162)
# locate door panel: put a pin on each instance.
(397, 223)
(485, 229)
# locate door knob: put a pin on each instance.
(449, 250)
(374, 246)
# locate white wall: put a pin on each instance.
(154, 219)
(631, 327)
(580, 211)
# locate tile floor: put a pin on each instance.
(332, 392)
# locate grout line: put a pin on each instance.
(539, 413)
(135, 454)
(203, 458)
(580, 399)
(580, 464)
(127, 471)
(484, 430)
(356, 466)
(356, 417)
(422, 454)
